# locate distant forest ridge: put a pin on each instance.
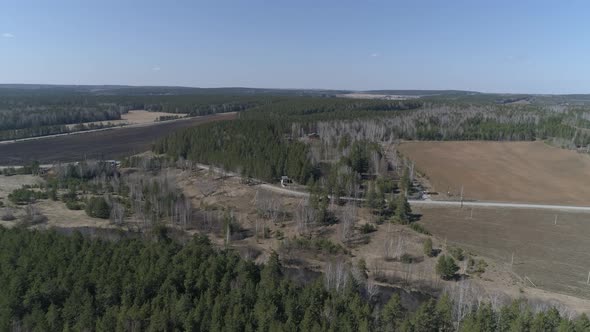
(128, 90)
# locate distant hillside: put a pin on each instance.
(419, 92)
(125, 90)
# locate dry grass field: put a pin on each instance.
(135, 117)
(527, 172)
(553, 256)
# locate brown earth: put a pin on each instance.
(553, 256)
(107, 144)
(134, 117)
(527, 172)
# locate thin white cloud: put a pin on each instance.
(156, 68)
(374, 55)
(7, 35)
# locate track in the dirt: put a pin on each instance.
(108, 144)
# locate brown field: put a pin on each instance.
(530, 172)
(135, 117)
(554, 257)
(107, 144)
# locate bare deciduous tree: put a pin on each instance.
(348, 216)
(117, 213)
(268, 205)
(336, 275)
(33, 215)
(305, 216)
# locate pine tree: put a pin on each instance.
(402, 210)
(444, 313)
(426, 319)
(446, 267)
(393, 314)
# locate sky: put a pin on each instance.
(489, 46)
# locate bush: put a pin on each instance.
(478, 267)
(33, 216)
(25, 196)
(7, 215)
(457, 253)
(446, 267)
(428, 247)
(279, 235)
(74, 205)
(97, 207)
(315, 244)
(419, 228)
(406, 259)
(368, 228)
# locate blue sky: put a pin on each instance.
(494, 46)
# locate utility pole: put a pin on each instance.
(512, 261)
(555, 222)
(588, 281)
(461, 196)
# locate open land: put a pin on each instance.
(135, 117)
(556, 262)
(525, 172)
(105, 144)
(550, 248)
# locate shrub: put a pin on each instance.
(33, 216)
(97, 207)
(74, 205)
(25, 196)
(419, 228)
(315, 244)
(457, 253)
(428, 247)
(476, 267)
(368, 228)
(279, 235)
(7, 215)
(406, 259)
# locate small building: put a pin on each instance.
(285, 181)
(313, 136)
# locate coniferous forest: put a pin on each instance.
(56, 282)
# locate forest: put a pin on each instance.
(273, 139)
(29, 115)
(56, 282)
(443, 115)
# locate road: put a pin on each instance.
(302, 194)
(501, 205)
(294, 193)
